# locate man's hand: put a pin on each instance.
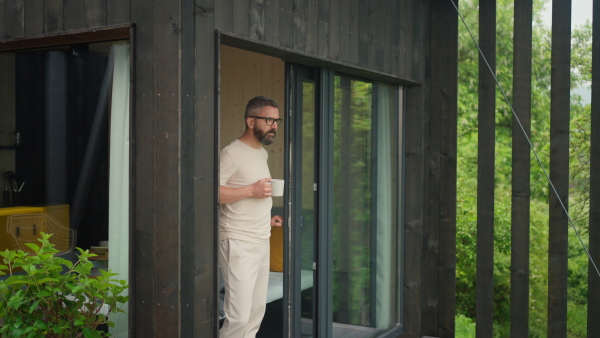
(276, 221)
(261, 189)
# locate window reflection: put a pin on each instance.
(54, 155)
(366, 187)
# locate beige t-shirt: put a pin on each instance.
(250, 218)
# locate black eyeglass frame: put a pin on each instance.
(267, 119)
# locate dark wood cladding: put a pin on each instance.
(174, 138)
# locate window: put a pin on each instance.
(366, 289)
(64, 149)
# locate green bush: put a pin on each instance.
(54, 297)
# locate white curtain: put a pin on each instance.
(118, 207)
(384, 210)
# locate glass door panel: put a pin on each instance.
(365, 207)
(304, 211)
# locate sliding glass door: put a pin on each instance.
(345, 171)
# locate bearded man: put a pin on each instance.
(245, 220)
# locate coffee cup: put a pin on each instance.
(277, 185)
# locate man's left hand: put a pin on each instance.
(276, 221)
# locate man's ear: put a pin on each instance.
(250, 123)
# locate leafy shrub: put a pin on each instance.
(54, 297)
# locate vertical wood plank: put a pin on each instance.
(14, 18)
(520, 214)
(559, 168)
(311, 26)
(34, 17)
(485, 175)
(363, 33)
(431, 229)
(448, 59)
(593, 324)
(415, 209)
(205, 176)
(53, 16)
(344, 30)
(241, 21)
(144, 256)
(299, 28)
(74, 14)
(188, 307)
(118, 12)
(272, 14)
(257, 19)
(335, 32)
(415, 42)
(286, 23)
(224, 15)
(405, 38)
(2, 19)
(166, 128)
(95, 13)
(324, 29)
(395, 19)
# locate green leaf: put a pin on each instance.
(34, 305)
(33, 246)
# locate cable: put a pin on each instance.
(527, 137)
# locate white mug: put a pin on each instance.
(277, 186)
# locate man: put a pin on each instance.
(245, 221)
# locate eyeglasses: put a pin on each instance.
(269, 120)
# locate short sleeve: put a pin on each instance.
(227, 167)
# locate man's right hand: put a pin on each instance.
(262, 188)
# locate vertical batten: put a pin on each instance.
(448, 115)
(520, 217)
(559, 168)
(485, 174)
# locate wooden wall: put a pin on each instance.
(175, 130)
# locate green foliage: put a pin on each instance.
(467, 172)
(465, 327)
(54, 297)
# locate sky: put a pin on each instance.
(581, 10)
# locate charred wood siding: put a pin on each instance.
(173, 211)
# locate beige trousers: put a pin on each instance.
(245, 268)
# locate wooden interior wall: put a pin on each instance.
(245, 75)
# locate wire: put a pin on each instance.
(527, 137)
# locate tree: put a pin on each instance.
(467, 169)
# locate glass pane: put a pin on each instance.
(54, 140)
(365, 237)
(308, 206)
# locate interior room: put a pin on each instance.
(244, 75)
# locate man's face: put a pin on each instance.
(264, 133)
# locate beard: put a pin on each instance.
(264, 137)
